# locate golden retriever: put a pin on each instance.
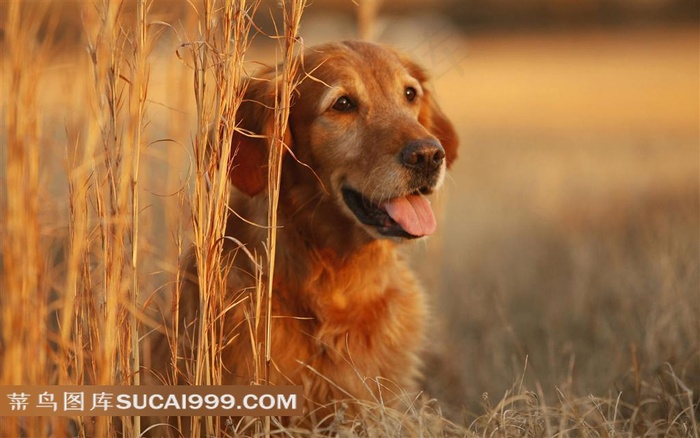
(369, 144)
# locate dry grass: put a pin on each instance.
(568, 284)
(217, 57)
(573, 223)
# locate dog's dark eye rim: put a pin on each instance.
(344, 104)
(411, 94)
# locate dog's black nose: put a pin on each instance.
(426, 155)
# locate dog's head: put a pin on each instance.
(366, 123)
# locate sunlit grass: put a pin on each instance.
(555, 272)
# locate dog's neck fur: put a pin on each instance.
(338, 283)
(334, 247)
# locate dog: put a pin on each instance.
(367, 144)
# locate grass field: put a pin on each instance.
(564, 279)
(571, 238)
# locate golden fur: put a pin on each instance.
(346, 306)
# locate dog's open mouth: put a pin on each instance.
(407, 216)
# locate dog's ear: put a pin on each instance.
(431, 116)
(253, 133)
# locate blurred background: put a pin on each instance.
(568, 257)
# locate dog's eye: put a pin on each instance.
(411, 94)
(343, 104)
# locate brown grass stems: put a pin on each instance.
(24, 283)
(292, 12)
(218, 62)
(85, 245)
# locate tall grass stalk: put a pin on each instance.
(218, 64)
(137, 109)
(292, 12)
(292, 18)
(366, 18)
(118, 50)
(25, 290)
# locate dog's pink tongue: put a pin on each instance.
(413, 213)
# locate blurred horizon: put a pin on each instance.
(472, 17)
